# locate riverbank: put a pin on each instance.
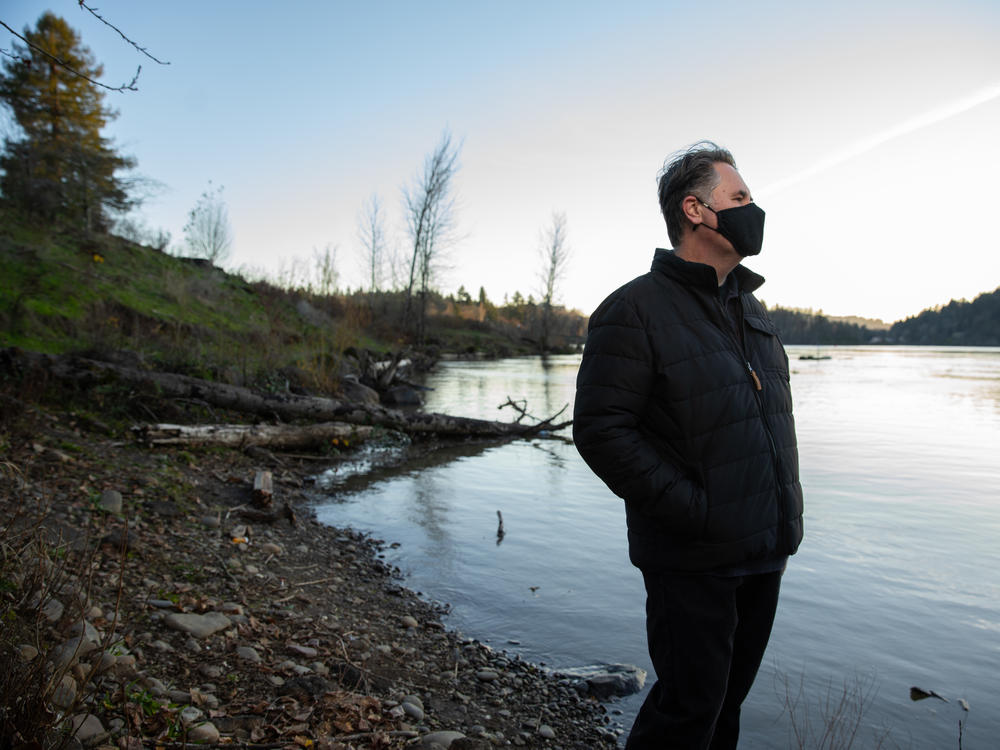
(218, 628)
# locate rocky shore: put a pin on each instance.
(179, 617)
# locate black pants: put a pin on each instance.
(707, 636)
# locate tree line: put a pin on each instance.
(59, 168)
(959, 323)
(799, 327)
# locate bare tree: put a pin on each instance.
(430, 217)
(208, 231)
(134, 229)
(325, 270)
(371, 233)
(554, 254)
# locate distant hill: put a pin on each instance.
(807, 327)
(872, 324)
(975, 323)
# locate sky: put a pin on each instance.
(868, 131)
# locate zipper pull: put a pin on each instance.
(753, 375)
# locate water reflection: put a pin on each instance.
(899, 573)
(379, 463)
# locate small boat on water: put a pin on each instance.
(814, 356)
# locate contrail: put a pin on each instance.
(933, 117)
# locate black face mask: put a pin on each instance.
(743, 226)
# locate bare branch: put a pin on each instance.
(99, 17)
(130, 86)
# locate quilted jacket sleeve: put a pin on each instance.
(615, 380)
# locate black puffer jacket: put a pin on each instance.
(668, 413)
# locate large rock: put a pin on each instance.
(605, 681)
(357, 392)
(200, 626)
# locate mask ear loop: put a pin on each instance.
(703, 224)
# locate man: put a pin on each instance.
(683, 409)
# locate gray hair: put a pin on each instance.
(688, 172)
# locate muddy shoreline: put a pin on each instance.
(234, 631)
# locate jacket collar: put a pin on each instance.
(699, 274)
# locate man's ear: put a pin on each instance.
(691, 207)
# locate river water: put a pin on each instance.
(896, 585)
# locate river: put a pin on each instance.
(896, 585)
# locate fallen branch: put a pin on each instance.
(285, 406)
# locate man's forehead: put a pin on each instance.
(731, 181)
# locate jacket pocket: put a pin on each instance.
(764, 346)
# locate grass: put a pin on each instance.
(63, 292)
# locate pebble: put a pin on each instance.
(210, 671)
(271, 548)
(65, 693)
(27, 651)
(487, 675)
(306, 651)
(190, 714)
(320, 668)
(547, 732)
(70, 651)
(53, 610)
(413, 710)
(154, 685)
(210, 700)
(200, 626)
(162, 646)
(111, 501)
(87, 728)
(408, 621)
(88, 631)
(205, 733)
(248, 654)
(444, 739)
(161, 603)
(124, 665)
(412, 699)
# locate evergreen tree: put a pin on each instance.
(60, 167)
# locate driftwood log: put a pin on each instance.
(277, 436)
(284, 406)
